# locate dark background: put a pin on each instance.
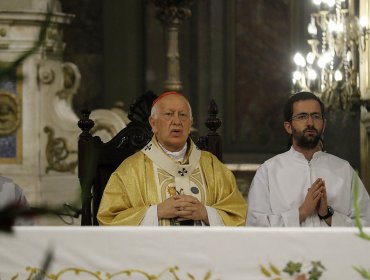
(238, 52)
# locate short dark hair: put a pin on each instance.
(303, 95)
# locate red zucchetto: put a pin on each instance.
(164, 95)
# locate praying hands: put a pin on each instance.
(315, 200)
(183, 207)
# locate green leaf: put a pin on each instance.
(358, 224)
(292, 268)
(363, 272)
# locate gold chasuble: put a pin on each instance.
(150, 176)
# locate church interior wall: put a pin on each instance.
(229, 51)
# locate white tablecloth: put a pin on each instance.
(185, 253)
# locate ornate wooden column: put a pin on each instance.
(171, 13)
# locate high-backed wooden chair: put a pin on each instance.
(98, 160)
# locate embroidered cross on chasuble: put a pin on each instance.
(174, 177)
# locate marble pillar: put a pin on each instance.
(38, 127)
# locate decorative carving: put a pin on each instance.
(10, 114)
(57, 152)
(109, 129)
(213, 122)
(212, 142)
(140, 109)
(54, 40)
(71, 81)
(170, 10)
(46, 75)
(86, 124)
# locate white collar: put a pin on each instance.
(177, 169)
(178, 156)
(299, 155)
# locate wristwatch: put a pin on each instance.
(328, 215)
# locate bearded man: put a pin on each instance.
(306, 186)
(170, 182)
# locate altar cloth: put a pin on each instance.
(182, 253)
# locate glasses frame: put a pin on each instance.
(305, 116)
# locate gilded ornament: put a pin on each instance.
(171, 272)
(10, 114)
(57, 153)
(3, 32)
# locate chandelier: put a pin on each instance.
(331, 68)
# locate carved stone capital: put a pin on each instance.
(173, 12)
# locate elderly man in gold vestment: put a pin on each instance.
(170, 181)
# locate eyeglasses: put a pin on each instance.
(305, 116)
